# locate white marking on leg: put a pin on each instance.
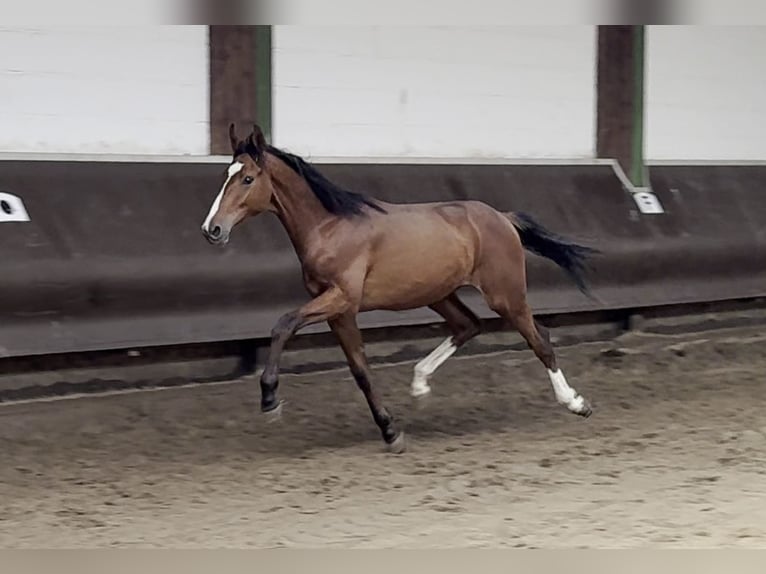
(426, 367)
(234, 169)
(565, 394)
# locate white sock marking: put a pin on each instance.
(234, 169)
(565, 394)
(426, 367)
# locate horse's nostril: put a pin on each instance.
(215, 232)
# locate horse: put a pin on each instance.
(359, 254)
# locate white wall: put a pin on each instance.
(122, 89)
(706, 93)
(511, 91)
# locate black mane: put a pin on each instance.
(333, 198)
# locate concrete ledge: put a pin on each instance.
(168, 367)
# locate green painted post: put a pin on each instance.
(637, 147)
(263, 86)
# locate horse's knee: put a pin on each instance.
(284, 327)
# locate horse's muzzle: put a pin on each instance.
(216, 235)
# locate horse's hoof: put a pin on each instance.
(398, 445)
(584, 410)
(273, 415)
(420, 391)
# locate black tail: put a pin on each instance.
(567, 255)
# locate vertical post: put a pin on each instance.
(620, 97)
(240, 82)
(263, 86)
(637, 155)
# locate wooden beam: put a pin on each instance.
(620, 98)
(235, 72)
(263, 87)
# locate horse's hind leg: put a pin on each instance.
(538, 339)
(463, 323)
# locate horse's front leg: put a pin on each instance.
(329, 304)
(347, 332)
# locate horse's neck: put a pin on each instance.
(296, 206)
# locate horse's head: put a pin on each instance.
(246, 191)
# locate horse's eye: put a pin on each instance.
(248, 180)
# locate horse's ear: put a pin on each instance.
(258, 139)
(233, 139)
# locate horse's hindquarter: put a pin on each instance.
(418, 255)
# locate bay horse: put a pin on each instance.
(358, 254)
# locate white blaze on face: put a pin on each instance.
(234, 169)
